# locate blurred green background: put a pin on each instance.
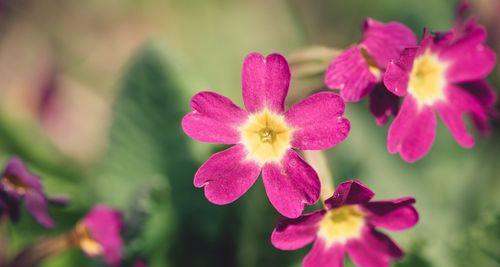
(92, 94)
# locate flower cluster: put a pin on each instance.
(98, 234)
(444, 74)
(266, 138)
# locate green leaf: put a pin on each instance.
(148, 150)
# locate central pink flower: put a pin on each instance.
(264, 137)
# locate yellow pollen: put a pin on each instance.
(15, 184)
(342, 224)
(266, 136)
(86, 242)
(372, 65)
(427, 79)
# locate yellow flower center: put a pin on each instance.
(427, 79)
(266, 136)
(341, 224)
(372, 65)
(14, 184)
(86, 242)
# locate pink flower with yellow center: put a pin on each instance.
(347, 225)
(443, 75)
(98, 234)
(358, 71)
(264, 137)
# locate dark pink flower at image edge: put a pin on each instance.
(347, 226)
(265, 137)
(18, 185)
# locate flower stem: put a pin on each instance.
(317, 159)
(33, 255)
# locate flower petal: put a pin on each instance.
(451, 112)
(485, 95)
(348, 193)
(227, 175)
(323, 256)
(349, 73)
(265, 82)
(383, 104)
(413, 131)
(395, 215)
(291, 184)
(396, 76)
(292, 234)
(318, 122)
(385, 41)
(469, 59)
(36, 204)
(214, 119)
(373, 249)
(17, 169)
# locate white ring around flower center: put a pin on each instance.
(266, 136)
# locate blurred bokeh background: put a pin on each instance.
(92, 94)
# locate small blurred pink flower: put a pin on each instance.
(347, 225)
(265, 137)
(98, 234)
(358, 71)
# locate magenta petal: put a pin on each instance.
(105, 225)
(349, 193)
(322, 255)
(227, 175)
(214, 119)
(36, 204)
(485, 95)
(396, 76)
(413, 131)
(452, 111)
(265, 82)
(291, 184)
(468, 58)
(385, 41)
(373, 249)
(395, 215)
(292, 234)
(349, 73)
(17, 169)
(318, 122)
(383, 104)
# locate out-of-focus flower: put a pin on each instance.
(347, 225)
(444, 75)
(17, 184)
(264, 137)
(98, 234)
(358, 71)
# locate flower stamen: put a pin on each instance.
(266, 136)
